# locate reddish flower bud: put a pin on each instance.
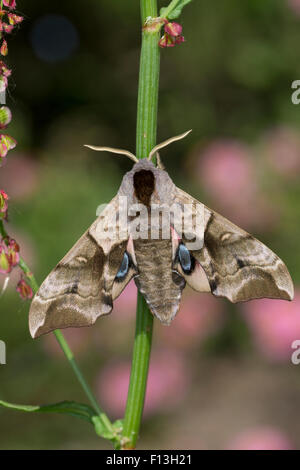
(166, 41)
(179, 40)
(24, 289)
(14, 19)
(7, 28)
(4, 71)
(13, 253)
(10, 4)
(173, 29)
(4, 48)
(3, 204)
(5, 116)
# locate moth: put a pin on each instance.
(228, 262)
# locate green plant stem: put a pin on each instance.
(64, 345)
(145, 141)
(69, 355)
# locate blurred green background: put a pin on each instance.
(221, 375)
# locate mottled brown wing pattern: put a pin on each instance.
(237, 265)
(81, 287)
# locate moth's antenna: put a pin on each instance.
(167, 142)
(112, 150)
(159, 162)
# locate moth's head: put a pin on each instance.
(145, 161)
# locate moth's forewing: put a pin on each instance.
(80, 287)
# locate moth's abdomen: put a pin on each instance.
(159, 284)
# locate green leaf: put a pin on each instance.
(72, 408)
(65, 407)
(176, 12)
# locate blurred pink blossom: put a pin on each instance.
(27, 251)
(9, 255)
(294, 5)
(125, 304)
(226, 171)
(24, 289)
(10, 3)
(20, 176)
(173, 29)
(275, 324)
(200, 315)
(282, 147)
(77, 338)
(167, 386)
(14, 19)
(261, 438)
(3, 204)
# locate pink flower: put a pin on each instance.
(166, 41)
(179, 39)
(14, 19)
(4, 48)
(78, 339)
(10, 4)
(13, 250)
(9, 255)
(24, 290)
(167, 383)
(125, 304)
(294, 6)
(20, 176)
(275, 324)
(29, 253)
(282, 147)
(170, 41)
(261, 438)
(4, 71)
(200, 316)
(226, 171)
(7, 28)
(173, 29)
(172, 34)
(3, 204)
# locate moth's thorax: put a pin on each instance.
(147, 185)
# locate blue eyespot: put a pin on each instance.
(124, 268)
(187, 262)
